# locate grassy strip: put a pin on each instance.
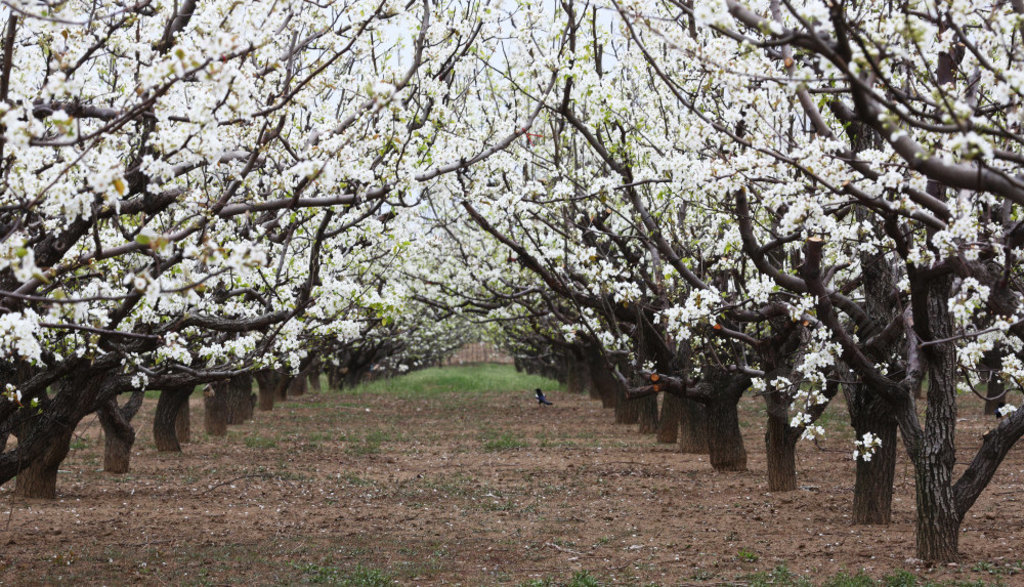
(470, 379)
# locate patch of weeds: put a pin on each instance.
(79, 442)
(844, 579)
(366, 577)
(506, 441)
(779, 576)
(353, 479)
(748, 556)
(370, 443)
(702, 575)
(583, 579)
(900, 578)
(260, 442)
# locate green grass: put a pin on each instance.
(494, 442)
(468, 379)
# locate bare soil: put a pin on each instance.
(475, 490)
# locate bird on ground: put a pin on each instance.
(541, 399)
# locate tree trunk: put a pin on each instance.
(626, 411)
(872, 489)
(183, 423)
(602, 381)
(725, 442)
(668, 422)
(266, 382)
(119, 435)
(335, 378)
(314, 378)
(934, 453)
(648, 408)
(215, 416)
(994, 389)
(284, 381)
(240, 399)
(38, 478)
(297, 387)
(170, 406)
(780, 444)
(693, 428)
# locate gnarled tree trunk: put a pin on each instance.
(38, 478)
(780, 444)
(668, 422)
(693, 428)
(240, 399)
(872, 489)
(266, 382)
(297, 386)
(215, 412)
(725, 441)
(118, 432)
(170, 408)
(648, 410)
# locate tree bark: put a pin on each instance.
(297, 387)
(668, 423)
(183, 423)
(284, 381)
(693, 428)
(266, 382)
(314, 378)
(626, 411)
(994, 390)
(38, 478)
(872, 489)
(725, 441)
(118, 433)
(169, 409)
(938, 522)
(215, 413)
(780, 444)
(240, 399)
(648, 410)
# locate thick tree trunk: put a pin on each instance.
(994, 390)
(725, 442)
(119, 435)
(626, 411)
(266, 382)
(668, 423)
(335, 378)
(284, 381)
(183, 423)
(240, 399)
(934, 455)
(648, 409)
(780, 444)
(215, 413)
(38, 478)
(297, 387)
(314, 378)
(872, 489)
(693, 428)
(169, 407)
(601, 379)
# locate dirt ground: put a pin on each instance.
(473, 490)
